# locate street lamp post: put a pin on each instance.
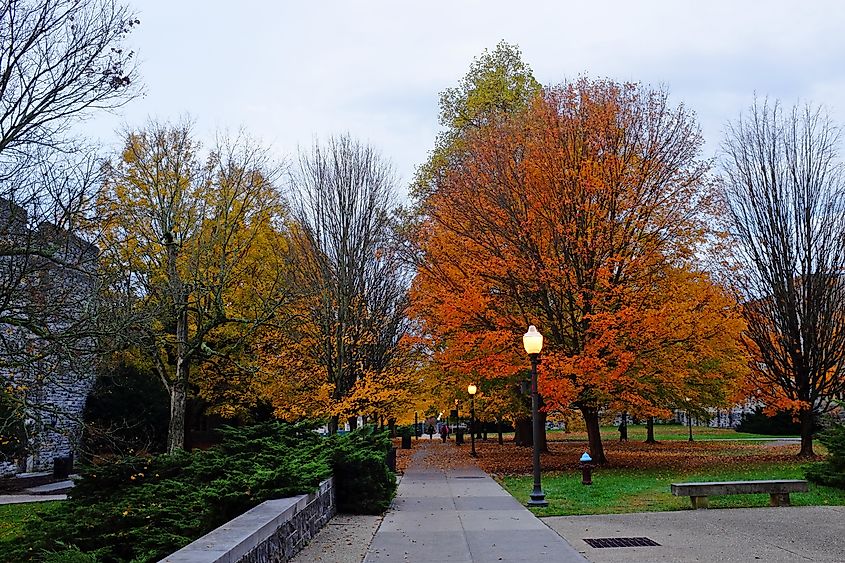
(689, 418)
(533, 343)
(471, 389)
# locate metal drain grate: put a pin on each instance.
(621, 542)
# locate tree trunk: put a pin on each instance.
(649, 424)
(334, 422)
(806, 418)
(178, 406)
(524, 432)
(591, 419)
(499, 429)
(353, 422)
(391, 425)
(179, 389)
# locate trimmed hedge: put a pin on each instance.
(143, 508)
(779, 424)
(364, 484)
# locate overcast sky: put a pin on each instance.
(290, 72)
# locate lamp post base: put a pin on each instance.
(538, 499)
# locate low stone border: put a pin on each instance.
(8, 469)
(272, 532)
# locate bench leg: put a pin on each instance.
(700, 502)
(779, 499)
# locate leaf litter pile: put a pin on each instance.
(510, 459)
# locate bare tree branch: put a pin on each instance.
(785, 190)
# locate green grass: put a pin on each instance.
(662, 432)
(617, 491)
(14, 516)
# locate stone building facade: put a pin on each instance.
(47, 300)
(719, 418)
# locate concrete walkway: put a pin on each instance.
(20, 499)
(41, 493)
(344, 539)
(461, 515)
(778, 535)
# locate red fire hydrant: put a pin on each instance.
(586, 469)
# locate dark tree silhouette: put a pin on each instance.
(345, 236)
(786, 198)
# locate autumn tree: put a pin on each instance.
(784, 184)
(201, 247)
(348, 263)
(498, 84)
(575, 215)
(684, 345)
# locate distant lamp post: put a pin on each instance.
(533, 343)
(472, 389)
(689, 418)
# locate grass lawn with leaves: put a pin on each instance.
(14, 516)
(638, 476)
(623, 490)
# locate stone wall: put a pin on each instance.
(58, 425)
(8, 469)
(272, 532)
(52, 375)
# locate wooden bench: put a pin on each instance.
(778, 490)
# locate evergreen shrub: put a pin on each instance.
(363, 482)
(779, 424)
(111, 428)
(831, 472)
(141, 509)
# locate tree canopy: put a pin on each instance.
(581, 214)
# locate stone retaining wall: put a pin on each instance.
(272, 532)
(8, 469)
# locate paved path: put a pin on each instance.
(783, 535)
(50, 488)
(461, 515)
(343, 540)
(19, 499)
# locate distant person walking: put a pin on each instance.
(444, 433)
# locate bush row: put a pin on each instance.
(143, 508)
(778, 424)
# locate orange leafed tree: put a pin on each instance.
(582, 215)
